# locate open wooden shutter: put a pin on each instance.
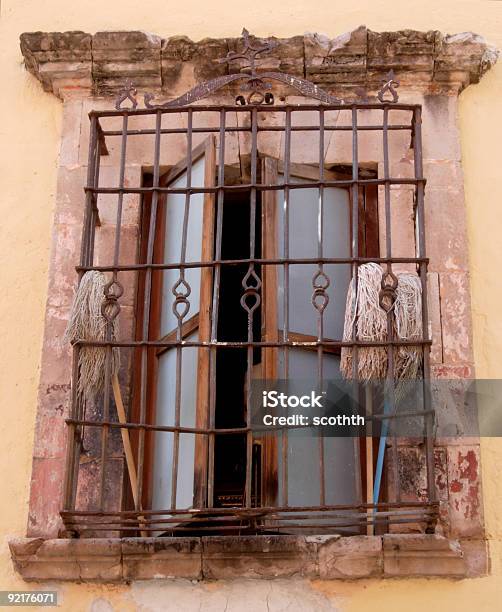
(302, 451)
(174, 455)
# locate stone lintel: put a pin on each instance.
(228, 557)
(428, 61)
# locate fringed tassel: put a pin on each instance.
(372, 325)
(87, 323)
(408, 325)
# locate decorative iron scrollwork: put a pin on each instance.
(181, 290)
(128, 92)
(257, 83)
(110, 308)
(251, 284)
(389, 85)
(320, 299)
(387, 294)
(249, 52)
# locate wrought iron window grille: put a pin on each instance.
(197, 278)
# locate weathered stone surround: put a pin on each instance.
(86, 71)
(218, 558)
(430, 61)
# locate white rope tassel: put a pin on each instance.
(87, 323)
(408, 325)
(372, 325)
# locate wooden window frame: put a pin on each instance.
(206, 149)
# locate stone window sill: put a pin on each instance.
(227, 557)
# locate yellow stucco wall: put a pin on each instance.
(29, 136)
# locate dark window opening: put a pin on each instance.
(231, 365)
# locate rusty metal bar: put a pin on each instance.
(110, 317)
(285, 332)
(260, 128)
(215, 308)
(146, 311)
(74, 433)
(354, 251)
(228, 344)
(390, 312)
(320, 297)
(214, 516)
(255, 260)
(264, 509)
(181, 290)
(422, 267)
(252, 286)
(282, 108)
(226, 431)
(258, 186)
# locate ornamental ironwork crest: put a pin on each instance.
(255, 86)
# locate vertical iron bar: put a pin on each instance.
(109, 323)
(320, 319)
(355, 281)
(429, 419)
(179, 355)
(95, 212)
(390, 314)
(252, 240)
(215, 311)
(146, 309)
(74, 445)
(90, 258)
(285, 331)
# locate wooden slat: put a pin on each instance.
(298, 337)
(197, 152)
(270, 332)
(126, 441)
(206, 294)
(187, 329)
(311, 173)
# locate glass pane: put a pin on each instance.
(175, 210)
(303, 243)
(165, 415)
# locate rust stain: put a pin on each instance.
(472, 503)
(440, 483)
(456, 486)
(54, 388)
(468, 466)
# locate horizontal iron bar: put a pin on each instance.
(261, 528)
(164, 428)
(283, 108)
(255, 260)
(259, 128)
(257, 186)
(222, 344)
(227, 431)
(253, 511)
(419, 512)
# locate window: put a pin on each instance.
(246, 242)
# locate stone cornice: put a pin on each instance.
(99, 64)
(217, 558)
